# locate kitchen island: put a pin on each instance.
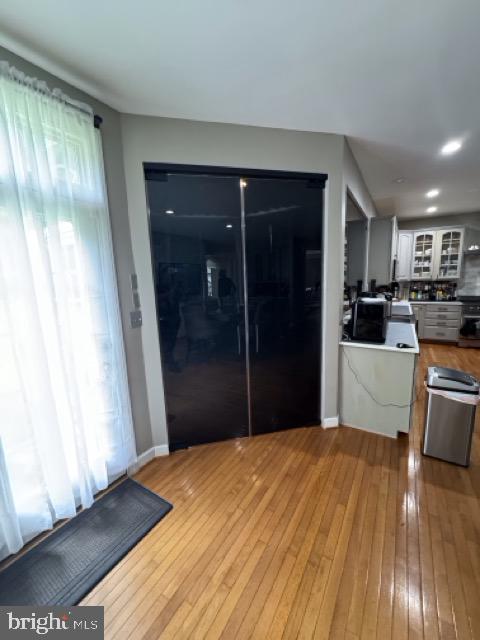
(377, 381)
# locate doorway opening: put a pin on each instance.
(237, 264)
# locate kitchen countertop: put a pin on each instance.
(444, 302)
(396, 332)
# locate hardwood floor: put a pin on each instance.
(307, 534)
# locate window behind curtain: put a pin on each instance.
(66, 428)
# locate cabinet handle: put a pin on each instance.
(439, 333)
(442, 324)
(442, 317)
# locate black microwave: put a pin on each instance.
(369, 320)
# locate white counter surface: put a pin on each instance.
(396, 332)
(433, 302)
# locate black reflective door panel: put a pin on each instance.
(197, 260)
(283, 249)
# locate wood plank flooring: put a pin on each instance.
(307, 534)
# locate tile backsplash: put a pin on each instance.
(469, 283)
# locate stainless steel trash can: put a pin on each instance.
(450, 414)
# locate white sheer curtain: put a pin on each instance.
(65, 418)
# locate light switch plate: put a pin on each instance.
(135, 319)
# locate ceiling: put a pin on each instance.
(398, 78)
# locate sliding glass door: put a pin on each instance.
(237, 266)
(283, 249)
(197, 261)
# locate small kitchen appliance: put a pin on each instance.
(369, 320)
(469, 335)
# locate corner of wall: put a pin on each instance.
(355, 182)
(140, 234)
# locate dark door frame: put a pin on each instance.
(157, 172)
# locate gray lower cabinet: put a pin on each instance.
(445, 334)
(437, 322)
(418, 310)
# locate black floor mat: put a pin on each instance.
(65, 566)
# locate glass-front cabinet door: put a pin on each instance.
(423, 255)
(448, 252)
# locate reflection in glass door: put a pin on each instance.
(237, 266)
(197, 261)
(283, 231)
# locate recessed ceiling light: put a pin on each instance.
(433, 193)
(169, 212)
(431, 209)
(399, 180)
(452, 146)
(229, 226)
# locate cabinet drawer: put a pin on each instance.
(435, 314)
(439, 322)
(445, 307)
(440, 333)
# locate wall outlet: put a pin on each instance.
(135, 319)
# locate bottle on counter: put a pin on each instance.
(395, 289)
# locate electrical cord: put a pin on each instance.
(380, 404)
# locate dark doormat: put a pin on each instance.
(65, 566)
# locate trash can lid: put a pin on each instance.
(452, 380)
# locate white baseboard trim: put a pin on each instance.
(376, 433)
(161, 450)
(328, 423)
(145, 457)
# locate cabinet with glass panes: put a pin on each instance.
(449, 253)
(422, 264)
(437, 254)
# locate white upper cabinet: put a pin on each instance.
(423, 254)
(430, 254)
(382, 236)
(404, 255)
(448, 254)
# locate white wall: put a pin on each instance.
(355, 184)
(149, 139)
